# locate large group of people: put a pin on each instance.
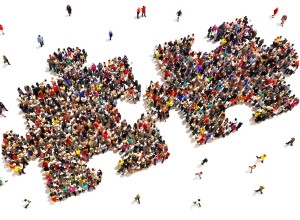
(238, 71)
(74, 117)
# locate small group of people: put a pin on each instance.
(139, 10)
(283, 18)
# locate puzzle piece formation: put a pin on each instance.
(73, 118)
(238, 71)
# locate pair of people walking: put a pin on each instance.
(139, 10)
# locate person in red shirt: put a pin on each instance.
(143, 11)
(275, 12)
(1, 29)
(138, 11)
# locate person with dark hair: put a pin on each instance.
(204, 161)
(197, 203)
(143, 11)
(261, 188)
(179, 13)
(1, 28)
(40, 39)
(110, 33)
(69, 9)
(27, 203)
(138, 11)
(287, 143)
(3, 106)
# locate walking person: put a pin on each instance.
(283, 20)
(137, 198)
(1, 29)
(199, 174)
(204, 161)
(27, 203)
(69, 9)
(40, 39)
(252, 168)
(209, 31)
(1, 182)
(261, 188)
(138, 11)
(143, 11)
(179, 13)
(3, 106)
(262, 157)
(275, 12)
(197, 203)
(291, 141)
(5, 60)
(110, 33)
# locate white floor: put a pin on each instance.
(167, 190)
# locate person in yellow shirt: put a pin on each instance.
(262, 157)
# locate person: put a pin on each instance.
(143, 11)
(110, 33)
(3, 106)
(283, 19)
(275, 12)
(27, 202)
(204, 161)
(252, 167)
(40, 39)
(199, 174)
(261, 188)
(262, 157)
(5, 60)
(69, 9)
(137, 198)
(290, 142)
(1, 182)
(197, 203)
(179, 13)
(138, 11)
(1, 29)
(209, 31)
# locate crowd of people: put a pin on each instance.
(238, 71)
(74, 117)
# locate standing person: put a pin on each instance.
(110, 33)
(137, 198)
(204, 161)
(179, 13)
(138, 11)
(283, 20)
(69, 9)
(209, 31)
(290, 142)
(261, 188)
(143, 11)
(27, 203)
(2, 106)
(1, 29)
(40, 39)
(262, 157)
(197, 202)
(252, 168)
(199, 174)
(275, 12)
(5, 60)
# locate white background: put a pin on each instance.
(167, 190)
